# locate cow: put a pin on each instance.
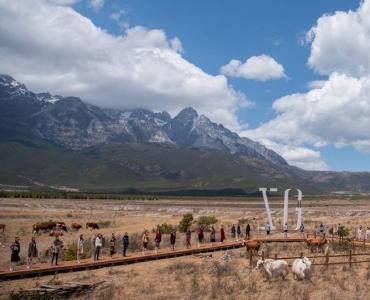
(252, 245)
(273, 268)
(56, 233)
(301, 268)
(61, 226)
(92, 225)
(316, 242)
(76, 226)
(2, 227)
(43, 226)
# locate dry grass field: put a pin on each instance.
(186, 277)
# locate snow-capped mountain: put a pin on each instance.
(74, 124)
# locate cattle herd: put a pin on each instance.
(57, 228)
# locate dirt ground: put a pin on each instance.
(187, 277)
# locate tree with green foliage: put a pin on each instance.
(206, 221)
(342, 233)
(186, 222)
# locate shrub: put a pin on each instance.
(343, 232)
(206, 221)
(243, 221)
(164, 228)
(104, 224)
(185, 222)
(70, 252)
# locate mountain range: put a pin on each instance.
(52, 140)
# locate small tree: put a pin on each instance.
(206, 221)
(185, 222)
(342, 233)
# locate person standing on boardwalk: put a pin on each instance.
(238, 232)
(80, 248)
(222, 234)
(173, 239)
(98, 245)
(233, 230)
(322, 229)
(285, 228)
(188, 238)
(145, 241)
(157, 240)
(15, 248)
(125, 243)
(200, 236)
(55, 250)
(267, 228)
(301, 230)
(32, 252)
(368, 234)
(112, 245)
(213, 235)
(248, 231)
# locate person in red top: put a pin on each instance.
(173, 239)
(222, 234)
(157, 240)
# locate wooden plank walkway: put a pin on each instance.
(88, 264)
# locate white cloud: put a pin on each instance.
(96, 5)
(57, 49)
(63, 2)
(301, 157)
(316, 84)
(341, 42)
(262, 68)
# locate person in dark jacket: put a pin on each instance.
(15, 248)
(32, 252)
(248, 231)
(233, 230)
(173, 239)
(56, 248)
(222, 232)
(238, 232)
(188, 238)
(157, 240)
(212, 236)
(200, 236)
(125, 243)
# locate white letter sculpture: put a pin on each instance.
(286, 200)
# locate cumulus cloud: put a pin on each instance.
(55, 48)
(341, 42)
(262, 68)
(96, 5)
(63, 2)
(335, 111)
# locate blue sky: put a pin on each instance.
(313, 129)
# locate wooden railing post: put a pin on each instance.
(275, 256)
(327, 259)
(301, 254)
(263, 255)
(350, 258)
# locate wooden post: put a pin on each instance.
(301, 254)
(327, 259)
(263, 255)
(275, 256)
(350, 258)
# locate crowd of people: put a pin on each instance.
(236, 233)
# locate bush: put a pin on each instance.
(185, 222)
(243, 221)
(343, 232)
(70, 252)
(206, 221)
(164, 228)
(104, 224)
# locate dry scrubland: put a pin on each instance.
(188, 277)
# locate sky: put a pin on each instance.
(293, 75)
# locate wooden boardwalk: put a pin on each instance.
(136, 257)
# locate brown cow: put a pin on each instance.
(62, 226)
(252, 245)
(76, 226)
(2, 227)
(56, 233)
(44, 226)
(92, 225)
(316, 242)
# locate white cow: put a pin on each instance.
(273, 268)
(301, 268)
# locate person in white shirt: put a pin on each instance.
(98, 245)
(359, 233)
(285, 228)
